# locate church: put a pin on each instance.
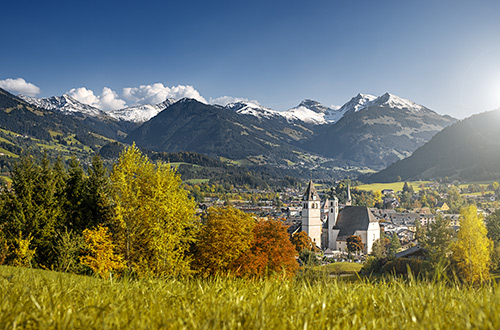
(332, 231)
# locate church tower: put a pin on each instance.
(333, 213)
(348, 201)
(311, 214)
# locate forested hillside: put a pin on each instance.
(468, 150)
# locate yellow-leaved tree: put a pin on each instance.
(226, 234)
(154, 219)
(471, 251)
(101, 257)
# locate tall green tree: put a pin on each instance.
(97, 203)
(153, 217)
(34, 207)
(394, 246)
(493, 228)
(437, 239)
(74, 193)
(471, 251)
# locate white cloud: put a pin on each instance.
(225, 100)
(157, 93)
(335, 107)
(84, 95)
(108, 100)
(20, 86)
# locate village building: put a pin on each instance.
(338, 225)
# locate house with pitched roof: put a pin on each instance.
(333, 231)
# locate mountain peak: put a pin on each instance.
(313, 105)
(63, 103)
(394, 101)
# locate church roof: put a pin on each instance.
(352, 219)
(310, 193)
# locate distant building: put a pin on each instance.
(311, 214)
(339, 224)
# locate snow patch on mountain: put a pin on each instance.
(140, 113)
(397, 102)
(252, 109)
(65, 104)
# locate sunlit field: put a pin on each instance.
(43, 299)
(396, 186)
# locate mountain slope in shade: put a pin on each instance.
(468, 150)
(189, 125)
(377, 131)
(90, 117)
(141, 113)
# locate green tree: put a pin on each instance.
(69, 247)
(493, 228)
(225, 235)
(74, 190)
(394, 246)
(153, 218)
(308, 257)
(471, 251)
(437, 239)
(379, 247)
(96, 202)
(35, 206)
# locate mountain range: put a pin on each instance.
(366, 133)
(468, 150)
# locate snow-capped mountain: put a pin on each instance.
(396, 102)
(355, 104)
(252, 109)
(65, 104)
(308, 111)
(313, 112)
(140, 113)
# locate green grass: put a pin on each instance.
(340, 268)
(396, 186)
(8, 153)
(41, 299)
(177, 164)
(196, 181)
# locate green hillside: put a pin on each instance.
(469, 150)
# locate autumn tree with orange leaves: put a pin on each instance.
(302, 241)
(271, 252)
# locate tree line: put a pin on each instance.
(137, 219)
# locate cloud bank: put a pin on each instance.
(144, 94)
(108, 100)
(157, 93)
(19, 86)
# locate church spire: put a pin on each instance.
(311, 194)
(348, 201)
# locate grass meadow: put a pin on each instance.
(396, 186)
(48, 300)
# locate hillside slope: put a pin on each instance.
(467, 150)
(383, 131)
(189, 125)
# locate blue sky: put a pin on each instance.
(442, 54)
